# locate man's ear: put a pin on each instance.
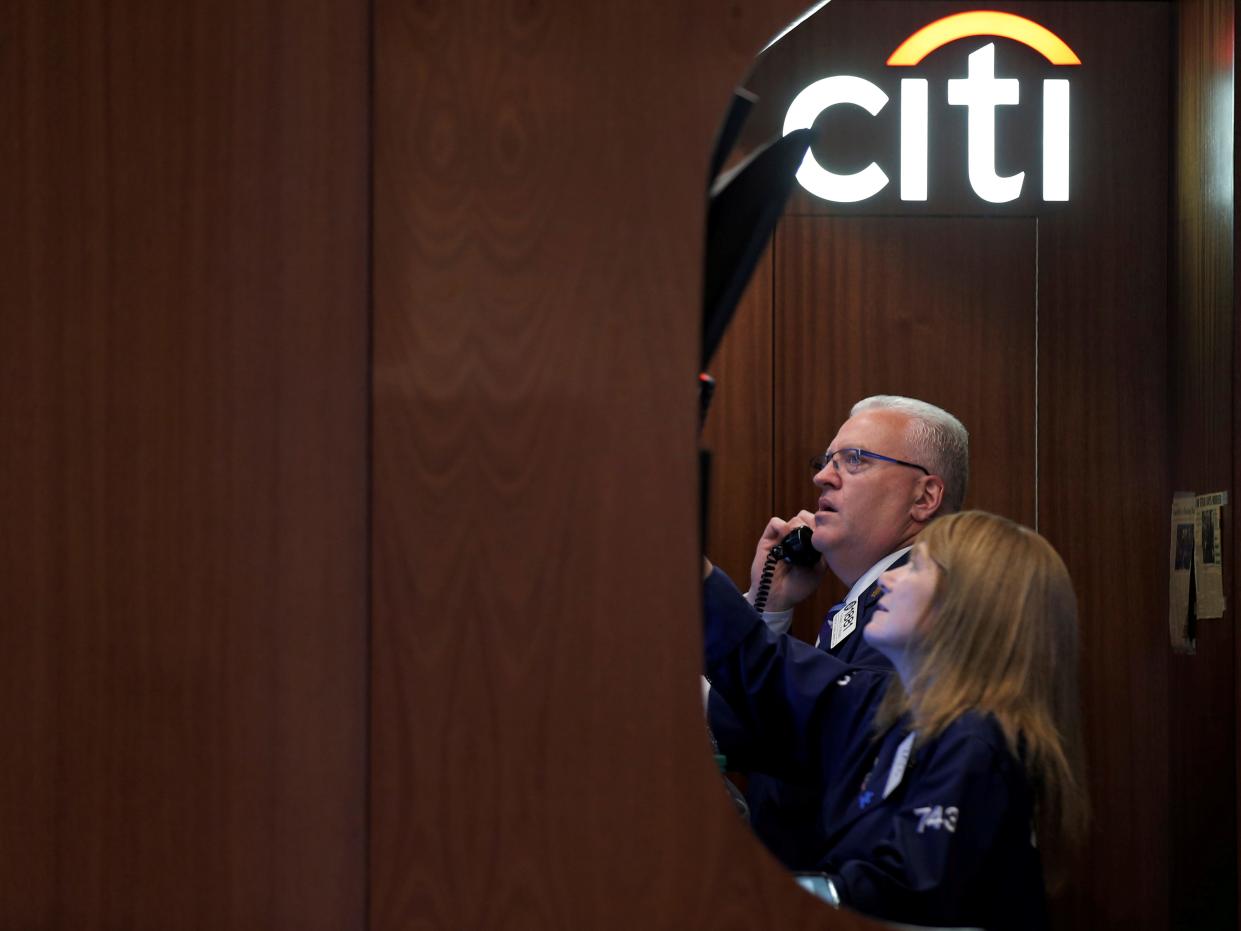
(928, 500)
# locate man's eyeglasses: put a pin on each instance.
(853, 460)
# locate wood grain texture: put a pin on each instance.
(1200, 406)
(1104, 494)
(1231, 538)
(739, 431)
(183, 488)
(539, 756)
(941, 309)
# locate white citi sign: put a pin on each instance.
(980, 92)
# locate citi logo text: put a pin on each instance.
(980, 92)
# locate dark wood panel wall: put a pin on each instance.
(183, 396)
(1203, 744)
(739, 430)
(1103, 289)
(539, 756)
(210, 725)
(1230, 526)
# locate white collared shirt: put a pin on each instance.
(872, 575)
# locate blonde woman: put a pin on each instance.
(951, 786)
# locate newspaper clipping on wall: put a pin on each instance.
(1195, 566)
(1208, 556)
(1180, 573)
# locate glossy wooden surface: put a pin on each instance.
(1103, 328)
(1203, 732)
(183, 389)
(539, 757)
(1232, 537)
(183, 402)
(1230, 527)
(739, 431)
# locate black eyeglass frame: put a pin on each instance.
(819, 463)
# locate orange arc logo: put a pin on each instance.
(983, 23)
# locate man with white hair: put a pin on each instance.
(892, 467)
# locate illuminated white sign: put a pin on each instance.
(809, 104)
(980, 92)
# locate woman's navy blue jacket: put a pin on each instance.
(934, 832)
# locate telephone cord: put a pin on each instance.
(764, 581)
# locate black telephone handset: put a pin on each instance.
(796, 549)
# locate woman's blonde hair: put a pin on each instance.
(1000, 638)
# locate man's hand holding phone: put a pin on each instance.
(790, 583)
